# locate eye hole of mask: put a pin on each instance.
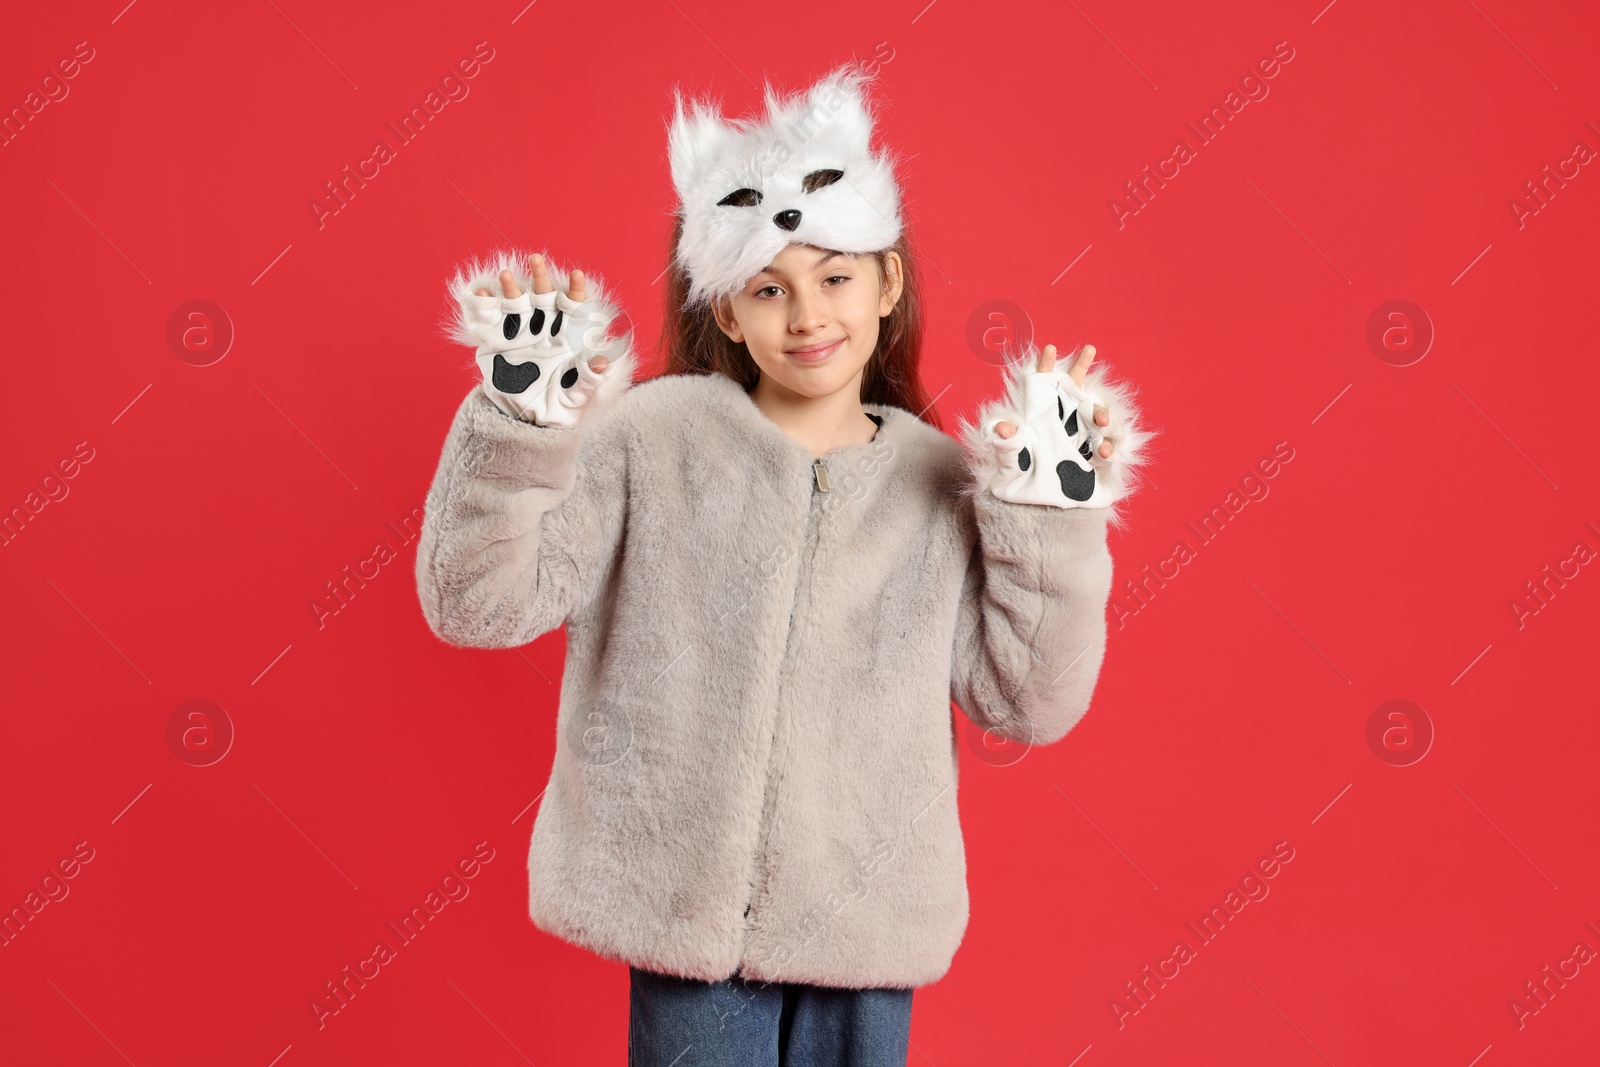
(817, 179)
(741, 198)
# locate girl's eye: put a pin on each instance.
(761, 292)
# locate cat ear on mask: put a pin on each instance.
(696, 138)
(841, 96)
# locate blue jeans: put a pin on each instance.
(744, 1022)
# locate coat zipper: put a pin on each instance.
(821, 470)
(819, 484)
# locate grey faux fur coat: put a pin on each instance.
(755, 765)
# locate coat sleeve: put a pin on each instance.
(521, 525)
(1031, 622)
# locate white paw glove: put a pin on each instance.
(1053, 458)
(534, 348)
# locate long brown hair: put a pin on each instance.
(693, 343)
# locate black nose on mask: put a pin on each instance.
(787, 220)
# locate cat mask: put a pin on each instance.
(804, 174)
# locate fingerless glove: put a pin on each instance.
(1053, 459)
(534, 350)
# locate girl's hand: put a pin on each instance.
(1077, 372)
(542, 284)
(1052, 441)
(533, 345)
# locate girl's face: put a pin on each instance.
(810, 319)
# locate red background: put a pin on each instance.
(1233, 710)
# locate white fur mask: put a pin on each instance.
(803, 174)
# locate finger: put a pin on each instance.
(509, 286)
(1101, 415)
(541, 274)
(599, 364)
(483, 292)
(1004, 429)
(1080, 366)
(1047, 359)
(575, 287)
(1105, 449)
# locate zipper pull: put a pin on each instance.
(821, 470)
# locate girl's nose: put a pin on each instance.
(787, 220)
(808, 315)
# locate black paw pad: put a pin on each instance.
(1076, 483)
(513, 378)
(1024, 460)
(510, 327)
(569, 379)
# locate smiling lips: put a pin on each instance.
(815, 353)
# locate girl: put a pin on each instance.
(776, 574)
